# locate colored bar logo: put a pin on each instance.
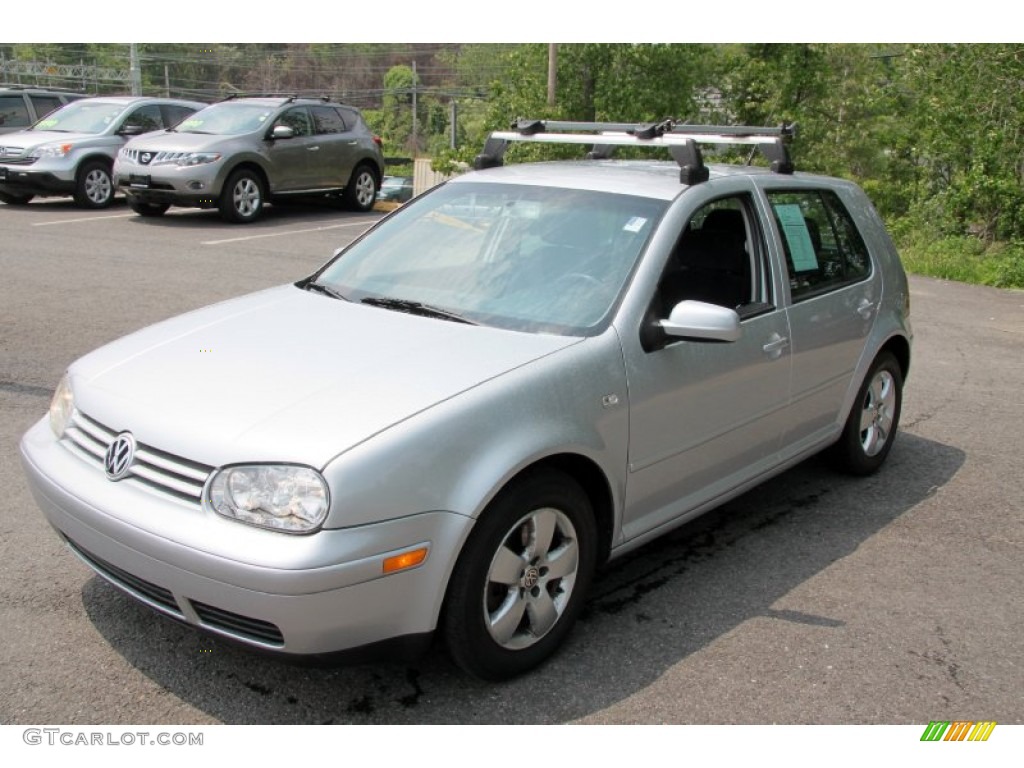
(958, 730)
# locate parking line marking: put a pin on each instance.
(76, 221)
(289, 232)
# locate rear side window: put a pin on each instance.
(13, 112)
(327, 120)
(44, 105)
(823, 248)
(174, 114)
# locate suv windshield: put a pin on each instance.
(526, 258)
(227, 119)
(82, 117)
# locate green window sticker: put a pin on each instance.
(191, 123)
(49, 123)
(794, 228)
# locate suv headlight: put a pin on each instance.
(281, 497)
(61, 407)
(50, 150)
(198, 158)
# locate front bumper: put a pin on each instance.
(19, 180)
(192, 186)
(298, 595)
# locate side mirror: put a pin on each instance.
(133, 130)
(282, 132)
(704, 322)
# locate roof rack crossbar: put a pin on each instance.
(681, 139)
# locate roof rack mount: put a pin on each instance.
(682, 140)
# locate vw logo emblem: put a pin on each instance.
(120, 456)
(145, 158)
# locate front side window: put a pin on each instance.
(148, 118)
(822, 246)
(298, 120)
(528, 258)
(13, 112)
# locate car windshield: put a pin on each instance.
(227, 119)
(82, 117)
(528, 258)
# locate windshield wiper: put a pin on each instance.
(416, 308)
(327, 290)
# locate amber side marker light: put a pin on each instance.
(409, 559)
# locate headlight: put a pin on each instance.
(278, 496)
(51, 150)
(199, 158)
(61, 407)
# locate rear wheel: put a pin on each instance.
(7, 197)
(94, 187)
(871, 426)
(241, 200)
(361, 192)
(522, 578)
(148, 209)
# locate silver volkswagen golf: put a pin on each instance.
(518, 376)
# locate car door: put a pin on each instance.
(336, 159)
(833, 301)
(706, 416)
(294, 161)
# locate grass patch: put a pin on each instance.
(965, 259)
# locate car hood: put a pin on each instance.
(18, 143)
(170, 141)
(288, 375)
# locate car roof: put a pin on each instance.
(141, 99)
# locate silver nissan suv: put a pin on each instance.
(240, 153)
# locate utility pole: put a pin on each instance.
(552, 72)
(454, 120)
(415, 123)
(133, 69)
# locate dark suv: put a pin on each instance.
(240, 153)
(22, 105)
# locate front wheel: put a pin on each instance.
(241, 200)
(94, 187)
(361, 192)
(871, 426)
(522, 578)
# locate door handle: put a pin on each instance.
(775, 345)
(865, 308)
(313, 149)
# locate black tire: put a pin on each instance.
(874, 418)
(149, 210)
(7, 197)
(513, 598)
(361, 191)
(94, 186)
(242, 199)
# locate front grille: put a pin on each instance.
(210, 617)
(8, 160)
(155, 158)
(139, 588)
(158, 470)
(235, 624)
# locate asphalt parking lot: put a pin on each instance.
(816, 598)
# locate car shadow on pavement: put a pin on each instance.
(648, 611)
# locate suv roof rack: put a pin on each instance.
(23, 87)
(290, 96)
(681, 139)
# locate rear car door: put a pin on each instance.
(834, 295)
(336, 157)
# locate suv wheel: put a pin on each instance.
(522, 578)
(361, 192)
(10, 199)
(241, 200)
(93, 186)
